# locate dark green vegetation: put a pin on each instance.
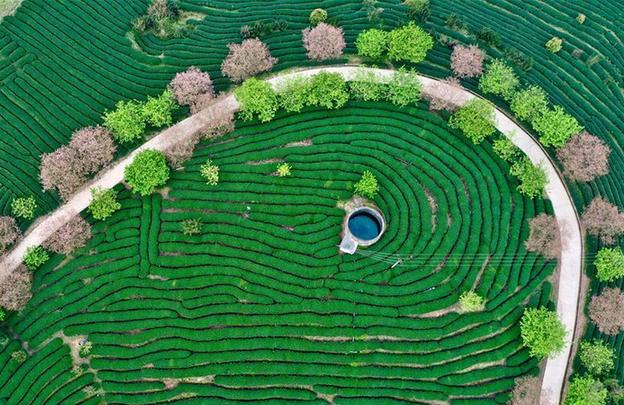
(258, 305)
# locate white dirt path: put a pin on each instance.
(570, 265)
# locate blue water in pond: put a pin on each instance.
(364, 226)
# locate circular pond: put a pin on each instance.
(364, 225)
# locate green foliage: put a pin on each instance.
(404, 88)
(556, 127)
(210, 172)
(85, 348)
(532, 178)
(554, 44)
(609, 264)
(103, 203)
(409, 43)
(2, 315)
(586, 390)
(158, 111)
(372, 43)
(126, 121)
(367, 187)
(147, 171)
(24, 207)
(35, 257)
(505, 149)
(284, 170)
(19, 356)
(317, 16)
(499, 80)
(418, 9)
(596, 357)
(191, 226)
(328, 90)
(256, 98)
(475, 119)
(529, 103)
(293, 94)
(470, 301)
(365, 86)
(542, 332)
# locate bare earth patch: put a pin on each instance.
(8, 7)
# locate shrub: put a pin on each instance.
(584, 157)
(529, 103)
(470, 301)
(62, 170)
(581, 18)
(609, 264)
(94, 147)
(441, 95)
(191, 227)
(488, 37)
(19, 356)
(372, 43)
(404, 88)
(556, 127)
(9, 232)
(323, 42)
(586, 390)
(605, 310)
(147, 171)
(604, 220)
(532, 178)
(475, 119)
(188, 86)
(596, 357)
(103, 203)
(526, 391)
(85, 348)
(15, 289)
(158, 111)
(318, 15)
(71, 236)
(126, 121)
(554, 44)
(505, 149)
(372, 11)
(256, 98)
(367, 187)
(328, 90)
(544, 236)
(35, 257)
(210, 172)
(418, 9)
(293, 94)
(499, 80)
(366, 86)
(247, 59)
(284, 170)
(409, 43)
(24, 207)
(467, 62)
(542, 332)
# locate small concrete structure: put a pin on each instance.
(361, 216)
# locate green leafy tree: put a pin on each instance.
(372, 43)
(293, 94)
(158, 111)
(609, 264)
(328, 90)
(475, 119)
(556, 127)
(126, 121)
(586, 390)
(367, 187)
(35, 257)
(147, 171)
(191, 227)
(19, 356)
(284, 170)
(317, 16)
(470, 301)
(554, 44)
(409, 43)
(499, 79)
(529, 103)
(404, 88)
(366, 86)
(24, 207)
(505, 149)
(210, 172)
(532, 178)
(257, 99)
(103, 203)
(542, 332)
(596, 357)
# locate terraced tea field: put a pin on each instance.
(260, 307)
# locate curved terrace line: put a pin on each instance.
(570, 263)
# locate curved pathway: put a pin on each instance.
(570, 264)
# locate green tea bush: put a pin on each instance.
(257, 99)
(366, 86)
(529, 103)
(475, 119)
(284, 170)
(609, 264)
(318, 15)
(556, 127)
(126, 121)
(409, 43)
(499, 80)
(35, 257)
(24, 207)
(293, 94)
(328, 90)
(372, 43)
(158, 111)
(404, 88)
(554, 44)
(147, 171)
(596, 357)
(19, 356)
(586, 390)
(367, 187)
(103, 203)
(210, 172)
(532, 178)
(505, 149)
(470, 301)
(542, 332)
(191, 227)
